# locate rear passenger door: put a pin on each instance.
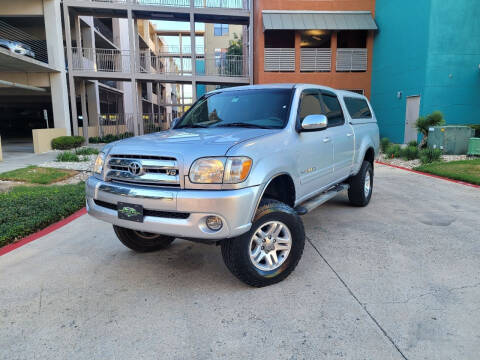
(315, 150)
(342, 136)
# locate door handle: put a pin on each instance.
(326, 140)
(349, 134)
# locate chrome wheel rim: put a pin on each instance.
(270, 245)
(368, 184)
(146, 235)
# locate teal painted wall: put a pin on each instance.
(429, 48)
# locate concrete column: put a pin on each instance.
(71, 80)
(250, 42)
(131, 38)
(83, 100)
(93, 103)
(56, 58)
(194, 53)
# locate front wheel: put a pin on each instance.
(272, 248)
(140, 241)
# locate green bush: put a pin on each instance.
(393, 151)
(410, 152)
(26, 209)
(109, 138)
(86, 151)
(384, 144)
(413, 143)
(67, 156)
(67, 142)
(94, 140)
(428, 155)
(424, 123)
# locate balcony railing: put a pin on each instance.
(352, 59)
(315, 59)
(105, 60)
(222, 4)
(113, 60)
(186, 49)
(279, 59)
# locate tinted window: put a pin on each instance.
(332, 110)
(310, 104)
(357, 108)
(267, 108)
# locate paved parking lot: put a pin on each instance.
(399, 279)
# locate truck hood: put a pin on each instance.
(186, 145)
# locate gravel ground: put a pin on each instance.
(80, 166)
(410, 164)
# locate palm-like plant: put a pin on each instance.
(423, 123)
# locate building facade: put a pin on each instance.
(426, 58)
(322, 42)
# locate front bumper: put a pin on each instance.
(234, 207)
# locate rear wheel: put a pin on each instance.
(142, 241)
(272, 248)
(361, 185)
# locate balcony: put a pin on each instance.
(279, 59)
(202, 4)
(349, 60)
(100, 60)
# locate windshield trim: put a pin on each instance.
(207, 95)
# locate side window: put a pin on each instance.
(309, 104)
(332, 110)
(357, 108)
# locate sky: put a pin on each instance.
(178, 25)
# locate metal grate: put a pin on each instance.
(279, 59)
(352, 59)
(315, 59)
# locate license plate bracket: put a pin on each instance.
(131, 212)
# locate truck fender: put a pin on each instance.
(366, 144)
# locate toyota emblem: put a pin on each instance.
(135, 168)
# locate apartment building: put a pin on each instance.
(426, 58)
(326, 42)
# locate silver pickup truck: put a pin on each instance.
(237, 170)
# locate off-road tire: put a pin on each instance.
(142, 242)
(356, 192)
(236, 251)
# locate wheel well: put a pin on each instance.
(282, 189)
(370, 155)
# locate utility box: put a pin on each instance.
(451, 139)
(474, 146)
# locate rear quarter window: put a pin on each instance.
(357, 108)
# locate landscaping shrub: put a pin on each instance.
(428, 155)
(67, 142)
(67, 156)
(410, 152)
(424, 123)
(86, 151)
(26, 209)
(94, 140)
(109, 138)
(393, 151)
(384, 144)
(413, 143)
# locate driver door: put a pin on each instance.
(315, 148)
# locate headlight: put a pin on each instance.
(219, 170)
(97, 169)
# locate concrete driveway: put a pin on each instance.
(399, 279)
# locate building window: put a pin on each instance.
(279, 39)
(352, 39)
(220, 55)
(220, 29)
(316, 39)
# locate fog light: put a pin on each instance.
(214, 223)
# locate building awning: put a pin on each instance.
(316, 20)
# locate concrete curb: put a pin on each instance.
(10, 247)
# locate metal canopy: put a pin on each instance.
(316, 20)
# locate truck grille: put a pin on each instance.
(143, 169)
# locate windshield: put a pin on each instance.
(260, 108)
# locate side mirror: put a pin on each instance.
(174, 122)
(314, 122)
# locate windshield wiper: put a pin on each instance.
(243, 124)
(192, 126)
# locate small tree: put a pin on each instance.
(423, 123)
(234, 62)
